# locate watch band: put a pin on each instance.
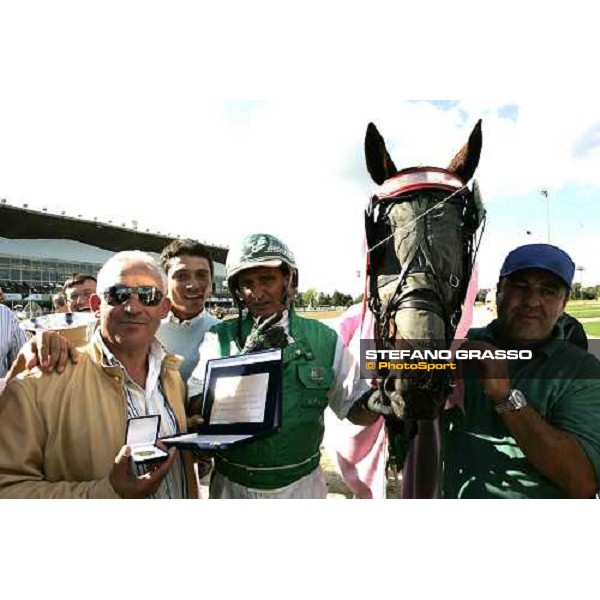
(504, 407)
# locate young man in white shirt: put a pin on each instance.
(189, 268)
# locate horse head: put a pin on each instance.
(421, 230)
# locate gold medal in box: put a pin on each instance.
(141, 437)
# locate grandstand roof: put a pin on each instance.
(24, 223)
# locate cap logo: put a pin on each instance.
(256, 245)
(263, 245)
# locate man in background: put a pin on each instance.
(12, 337)
(78, 290)
(59, 303)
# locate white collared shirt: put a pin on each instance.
(183, 337)
(146, 402)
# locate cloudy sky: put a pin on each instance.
(112, 114)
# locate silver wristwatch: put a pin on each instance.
(515, 402)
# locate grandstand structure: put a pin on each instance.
(40, 250)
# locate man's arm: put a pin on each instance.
(49, 351)
(348, 388)
(554, 453)
(209, 349)
(360, 415)
(23, 436)
(557, 454)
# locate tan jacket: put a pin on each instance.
(60, 434)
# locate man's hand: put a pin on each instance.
(47, 350)
(128, 485)
(362, 414)
(203, 458)
(265, 335)
(193, 422)
(374, 401)
(493, 374)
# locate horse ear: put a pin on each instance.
(379, 163)
(463, 165)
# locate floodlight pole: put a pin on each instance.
(581, 270)
(544, 193)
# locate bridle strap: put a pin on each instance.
(410, 180)
(418, 178)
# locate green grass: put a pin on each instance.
(309, 314)
(583, 308)
(592, 329)
(320, 314)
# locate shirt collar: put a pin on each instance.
(284, 323)
(171, 318)
(108, 359)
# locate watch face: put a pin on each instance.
(515, 402)
(517, 399)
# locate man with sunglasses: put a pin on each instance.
(62, 436)
(318, 372)
(526, 428)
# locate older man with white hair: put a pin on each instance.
(62, 435)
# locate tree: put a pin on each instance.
(310, 297)
(337, 299)
(324, 299)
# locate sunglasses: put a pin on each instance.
(119, 294)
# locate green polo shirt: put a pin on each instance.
(480, 457)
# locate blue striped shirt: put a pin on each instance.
(12, 338)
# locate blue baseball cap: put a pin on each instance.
(540, 256)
